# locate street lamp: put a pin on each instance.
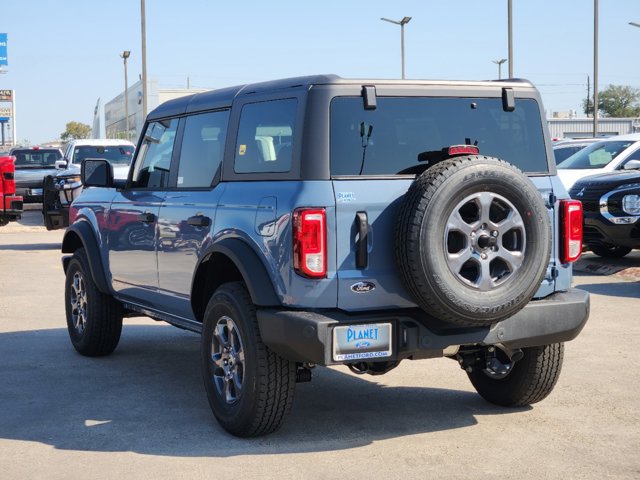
(143, 29)
(499, 63)
(595, 68)
(124, 55)
(634, 24)
(510, 36)
(402, 23)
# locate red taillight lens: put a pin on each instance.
(571, 221)
(463, 150)
(310, 242)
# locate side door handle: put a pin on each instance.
(147, 217)
(362, 253)
(199, 221)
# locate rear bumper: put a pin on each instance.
(10, 207)
(307, 336)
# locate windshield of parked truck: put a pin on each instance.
(402, 133)
(114, 154)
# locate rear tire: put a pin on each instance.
(609, 251)
(250, 388)
(531, 379)
(94, 319)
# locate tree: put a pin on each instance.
(619, 101)
(75, 131)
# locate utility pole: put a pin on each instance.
(510, 28)
(595, 68)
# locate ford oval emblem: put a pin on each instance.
(363, 287)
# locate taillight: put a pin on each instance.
(571, 222)
(310, 242)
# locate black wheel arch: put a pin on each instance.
(81, 235)
(229, 260)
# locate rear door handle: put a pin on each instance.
(147, 217)
(199, 221)
(362, 245)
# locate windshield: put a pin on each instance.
(36, 158)
(401, 134)
(114, 154)
(597, 155)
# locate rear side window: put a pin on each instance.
(398, 135)
(154, 159)
(265, 137)
(202, 149)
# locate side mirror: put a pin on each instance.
(61, 164)
(96, 172)
(632, 165)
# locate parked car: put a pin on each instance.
(611, 205)
(32, 165)
(563, 149)
(10, 203)
(324, 221)
(65, 186)
(607, 155)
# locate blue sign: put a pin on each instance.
(3, 50)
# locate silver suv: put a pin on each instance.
(323, 221)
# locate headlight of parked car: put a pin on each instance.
(631, 204)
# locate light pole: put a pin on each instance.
(634, 24)
(510, 35)
(499, 63)
(124, 56)
(595, 68)
(402, 23)
(144, 59)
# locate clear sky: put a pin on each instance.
(64, 54)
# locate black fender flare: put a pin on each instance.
(84, 232)
(252, 269)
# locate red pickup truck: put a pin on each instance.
(10, 203)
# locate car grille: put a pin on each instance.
(590, 197)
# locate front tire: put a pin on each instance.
(250, 388)
(530, 380)
(94, 319)
(609, 251)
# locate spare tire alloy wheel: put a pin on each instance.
(473, 240)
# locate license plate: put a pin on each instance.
(356, 342)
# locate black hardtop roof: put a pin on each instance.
(223, 97)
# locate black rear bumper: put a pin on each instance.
(306, 336)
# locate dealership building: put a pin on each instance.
(110, 119)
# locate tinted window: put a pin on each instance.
(562, 153)
(265, 137)
(114, 154)
(154, 159)
(389, 139)
(202, 149)
(597, 155)
(29, 158)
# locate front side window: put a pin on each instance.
(154, 158)
(202, 149)
(265, 137)
(403, 133)
(596, 155)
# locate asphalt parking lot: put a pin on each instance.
(143, 413)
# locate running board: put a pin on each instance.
(176, 321)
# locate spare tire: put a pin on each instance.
(473, 240)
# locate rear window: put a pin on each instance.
(390, 139)
(597, 155)
(41, 158)
(114, 154)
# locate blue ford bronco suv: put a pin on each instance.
(324, 221)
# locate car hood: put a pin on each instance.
(569, 176)
(120, 172)
(610, 179)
